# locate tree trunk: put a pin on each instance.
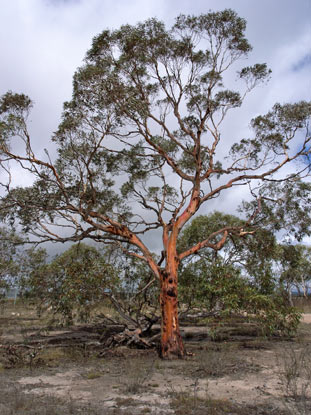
(172, 346)
(304, 288)
(290, 297)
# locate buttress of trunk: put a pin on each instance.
(171, 342)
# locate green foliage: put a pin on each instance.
(136, 298)
(295, 267)
(9, 268)
(14, 109)
(212, 286)
(274, 133)
(240, 278)
(283, 207)
(276, 316)
(254, 252)
(73, 282)
(82, 278)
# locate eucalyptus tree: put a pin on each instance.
(82, 278)
(284, 205)
(251, 256)
(244, 276)
(140, 149)
(74, 281)
(9, 267)
(295, 269)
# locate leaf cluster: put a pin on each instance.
(241, 278)
(72, 283)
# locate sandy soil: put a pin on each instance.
(306, 318)
(241, 371)
(254, 377)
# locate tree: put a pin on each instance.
(283, 204)
(8, 257)
(295, 268)
(136, 297)
(250, 258)
(241, 278)
(252, 253)
(73, 281)
(81, 278)
(140, 149)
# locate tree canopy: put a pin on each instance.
(82, 279)
(140, 146)
(8, 254)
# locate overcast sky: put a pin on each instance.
(44, 41)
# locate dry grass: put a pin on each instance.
(135, 374)
(191, 404)
(217, 360)
(295, 377)
(303, 304)
(14, 401)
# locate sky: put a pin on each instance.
(43, 42)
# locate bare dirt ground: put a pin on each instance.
(242, 375)
(306, 318)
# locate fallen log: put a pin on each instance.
(129, 338)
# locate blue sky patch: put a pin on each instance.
(305, 61)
